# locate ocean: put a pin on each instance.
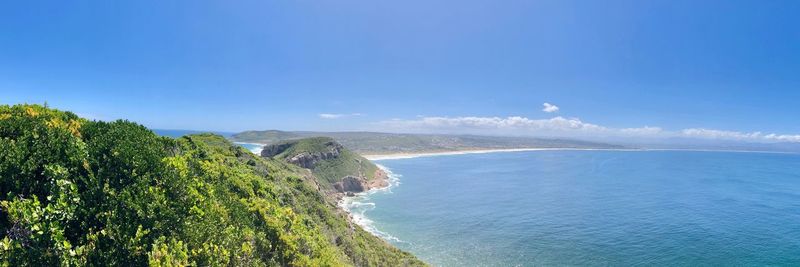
(590, 208)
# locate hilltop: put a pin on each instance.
(337, 168)
(80, 192)
(387, 143)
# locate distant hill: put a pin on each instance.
(267, 137)
(386, 143)
(174, 133)
(727, 145)
(337, 168)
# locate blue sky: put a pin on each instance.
(724, 67)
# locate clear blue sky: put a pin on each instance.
(237, 65)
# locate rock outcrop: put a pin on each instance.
(351, 184)
(304, 159)
(336, 169)
(309, 159)
(381, 180)
(269, 151)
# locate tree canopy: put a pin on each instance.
(75, 192)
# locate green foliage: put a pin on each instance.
(76, 192)
(348, 163)
(266, 137)
(167, 254)
(330, 170)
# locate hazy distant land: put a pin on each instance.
(374, 143)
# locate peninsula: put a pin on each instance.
(381, 144)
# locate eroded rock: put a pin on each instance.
(351, 184)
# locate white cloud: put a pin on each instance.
(338, 116)
(719, 134)
(330, 116)
(646, 130)
(741, 136)
(784, 138)
(549, 108)
(496, 125)
(566, 127)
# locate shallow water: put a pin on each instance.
(255, 148)
(591, 208)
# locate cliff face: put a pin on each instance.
(351, 184)
(273, 150)
(308, 158)
(338, 169)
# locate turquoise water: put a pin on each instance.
(655, 208)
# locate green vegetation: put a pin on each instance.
(267, 137)
(331, 161)
(78, 192)
(385, 143)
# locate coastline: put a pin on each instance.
(348, 203)
(474, 151)
(357, 205)
(256, 150)
(390, 156)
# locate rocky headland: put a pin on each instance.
(339, 171)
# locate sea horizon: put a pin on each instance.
(399, 133)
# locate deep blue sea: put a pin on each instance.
(619, 208)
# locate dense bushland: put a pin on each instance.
(79, 192)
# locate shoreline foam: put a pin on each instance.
(257, 150)
(359, 200)
(362, 200)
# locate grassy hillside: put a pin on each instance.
(78, 192)
(331, 169)
(383, 143)
(266, 137)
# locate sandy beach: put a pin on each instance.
(459, 152)
(481, 151)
